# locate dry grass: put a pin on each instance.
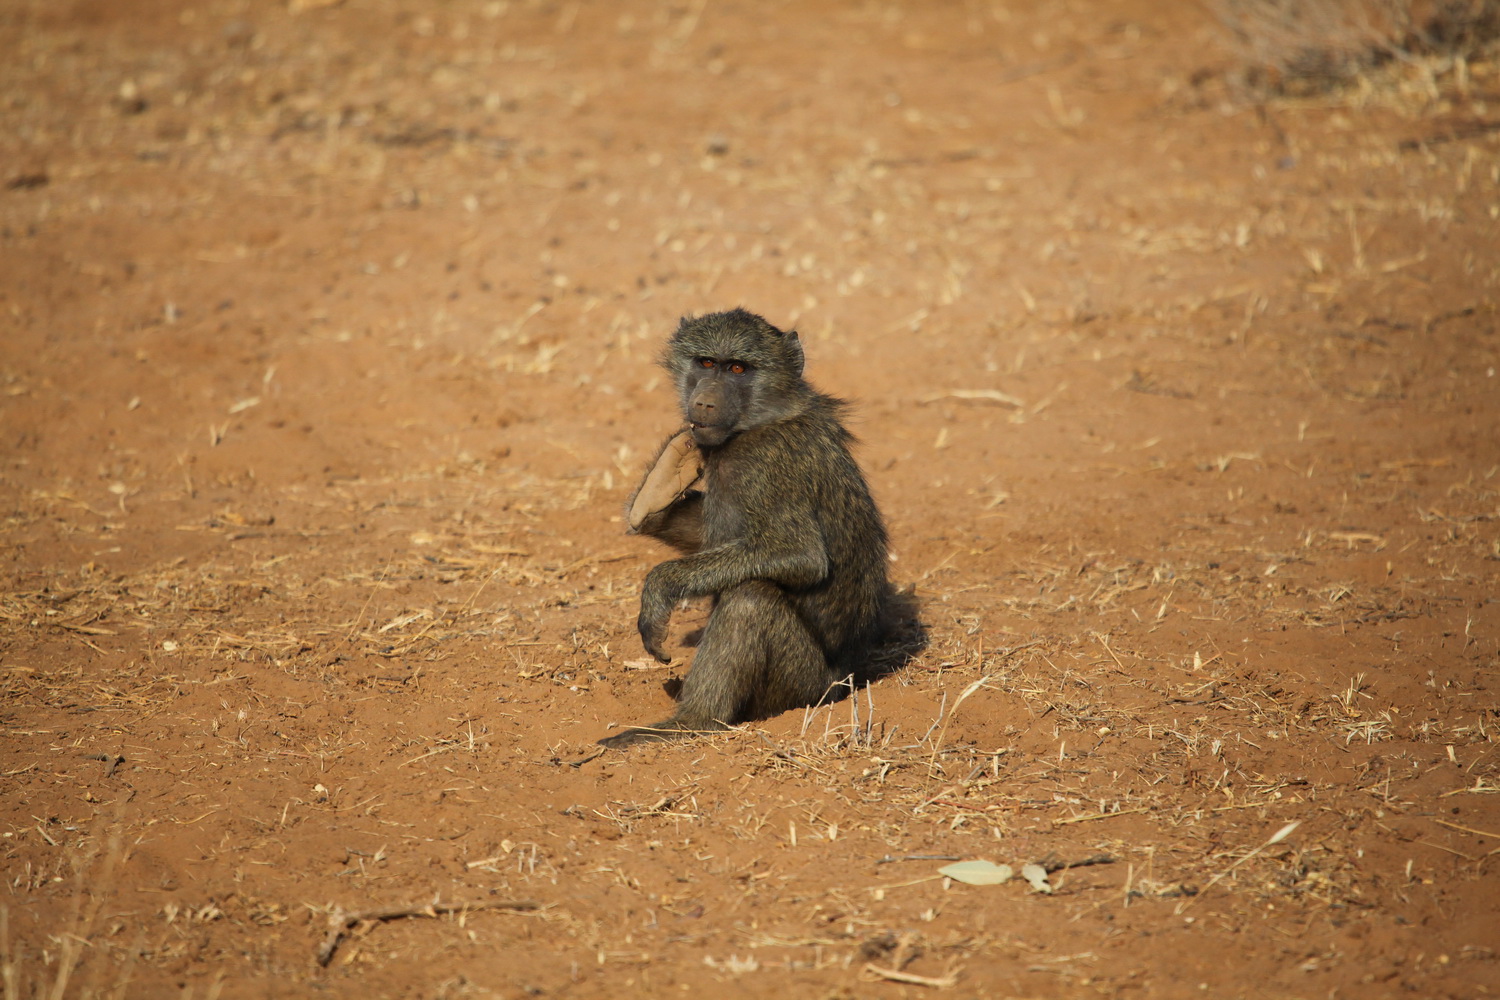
(1301, 47)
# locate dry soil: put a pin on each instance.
(327, 362)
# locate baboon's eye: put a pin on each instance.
(706, 362)
(738, 367)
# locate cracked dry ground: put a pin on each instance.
(328, 362)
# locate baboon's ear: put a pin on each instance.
(794, 352)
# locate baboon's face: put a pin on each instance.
(734, 372)
(716, 393)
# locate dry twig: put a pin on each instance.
(340, 920)
(897, 976)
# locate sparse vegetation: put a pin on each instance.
(1302, 47)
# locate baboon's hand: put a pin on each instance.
(653, 629)
(657, 599)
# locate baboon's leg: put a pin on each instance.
(756, 658)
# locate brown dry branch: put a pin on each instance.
(1467, 829)
(1099, 815)
(975, 395)
(1052, 864)
(341, 921)
(874, 973)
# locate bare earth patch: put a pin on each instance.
(327, 364)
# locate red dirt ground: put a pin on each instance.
(327, 365)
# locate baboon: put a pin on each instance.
(774, 521)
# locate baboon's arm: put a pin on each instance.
(793, 557)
